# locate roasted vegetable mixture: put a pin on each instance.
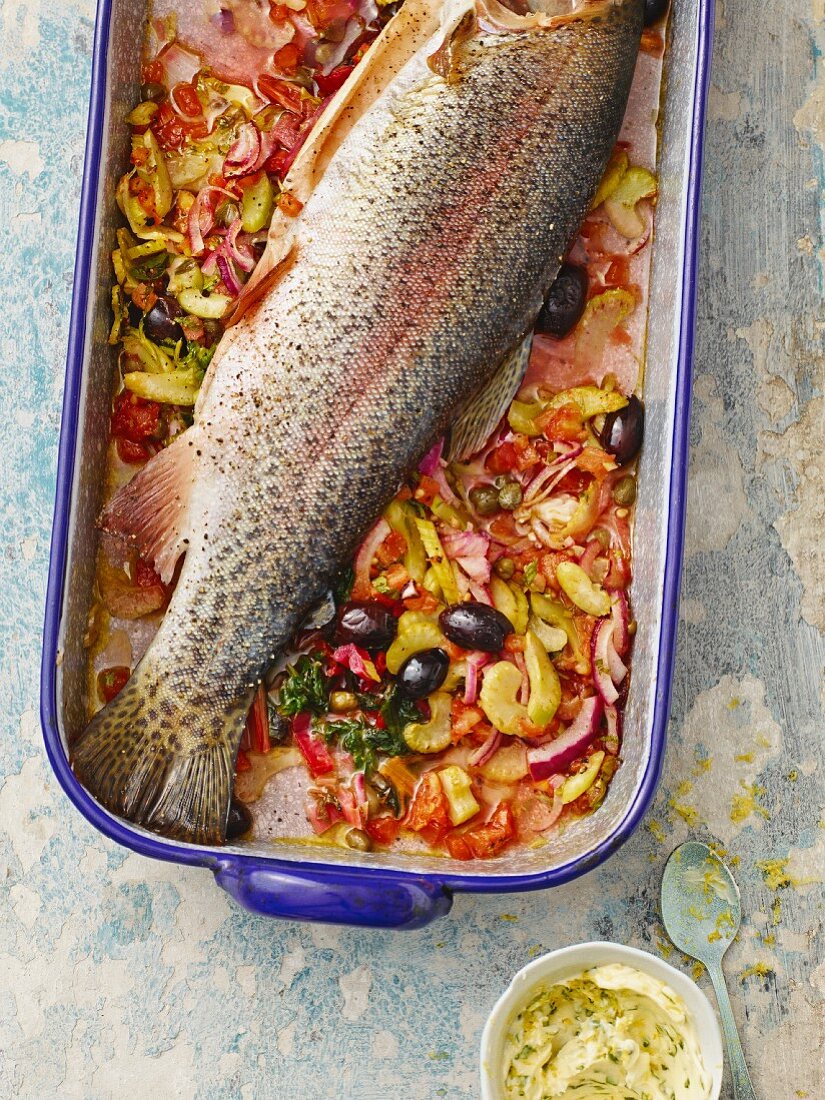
(464, 688)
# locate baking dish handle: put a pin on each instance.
(334, 897)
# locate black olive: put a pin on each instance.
(160, 322)
(565, 302)
(238, 820)
(135, 314)
(655, 10)
(623, 431)
(366, 623)
(423, 673)
(152, 91)
(475, 626)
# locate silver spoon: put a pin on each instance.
(701, 912)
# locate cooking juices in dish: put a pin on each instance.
(463, 687)
(612, 1031)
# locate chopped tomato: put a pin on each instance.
(243, 763)
(575, 482)
(618, 273)
(172, 131)
(574, 690)
(503, 529)
(502, 459)
(593, 460)
(285, 93)
(317, 755)
(397, 577)
(288, 58)
(425, 602)
(110, 681)
(144, 297)
(291, 206)
(428, 814)
(133, 418)
(132, 452)
(565, 423)
(383, 830)
(485, 841)
(464, 717)
(328, 85)
(392, 549)
(427, 489)
(187, 100)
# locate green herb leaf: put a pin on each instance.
(305, 687)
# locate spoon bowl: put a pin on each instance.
(701, 912)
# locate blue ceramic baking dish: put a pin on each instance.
(368, 889)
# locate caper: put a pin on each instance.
(602, 537)
(342, 701)
(624, 491)
(226, 214)
(358, 839)
(504, 568)
(152, 91)
(510, 495)
(484, 498)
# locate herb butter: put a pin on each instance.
(613, 1032)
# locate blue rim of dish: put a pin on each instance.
(213, 858)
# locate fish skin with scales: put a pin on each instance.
(416, 266)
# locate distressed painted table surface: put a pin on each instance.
(121, 977)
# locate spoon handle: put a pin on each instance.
(742, 1087)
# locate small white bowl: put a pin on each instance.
(568, 961)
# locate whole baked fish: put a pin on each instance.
(440, 193)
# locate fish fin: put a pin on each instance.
(477, 417)
(151, 510)
(412, 25)
(146, 760)
(444, 62)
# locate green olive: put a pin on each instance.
(624, 491)
(358, 839)
(484, 498)
(152, 91)
(510, 496)
(504, 568)
(342, 701)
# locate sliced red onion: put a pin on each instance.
(599, 661)
(180, 66)
(588, 558)
(431, 460)
(243, 155)
(481, 593)
(617, 667)
(620, 614)
(554, 757)
(547, 479)
(238, 251)
(409, 591)
(210, 264)
(362, 588)
(485, 751)
(228, 276)
(268, 143)
(224, 20)
(353, 29)
(359, 788)
(614, 726)
(475, 662)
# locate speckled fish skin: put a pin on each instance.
(419, 261)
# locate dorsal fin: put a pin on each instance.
(477, 417)
(405, 33)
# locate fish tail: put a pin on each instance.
(143, 759)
